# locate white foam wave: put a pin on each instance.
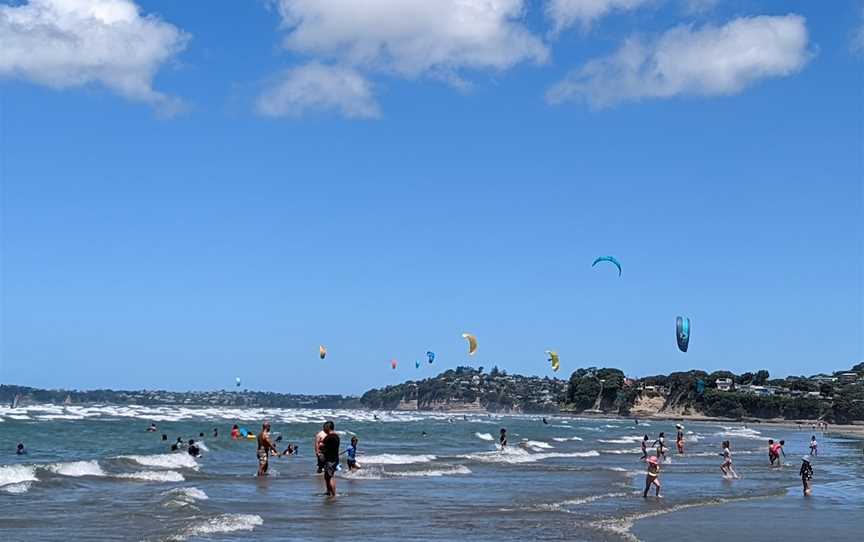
(461, 469)
(184, 496)
(622, 440)
(741, 432)
(396, 459)
(537, 445)
(225, 523)
(164, 461)
(565, 439)
(18, 488)
(16, 474)
(621, 452)
(153, 476)
(519, 455)
(76, 468)
(484, 436)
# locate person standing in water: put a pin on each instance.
(502, 440)
(660, 443)
(771, 452)
(330, 453)
(351, 453)
(265, 448)
(814, 446)
(316, 447)
(645, 448)
(806, 473)
(652, 477)
(679, 438)
(726, 467)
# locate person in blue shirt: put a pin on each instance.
(351, 452)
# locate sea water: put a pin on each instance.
(94, 473)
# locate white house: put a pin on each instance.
(723, 384)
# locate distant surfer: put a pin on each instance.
(19, 450)
(726, 467)
(806, 473)
(265, 448)
(652, 477)
(502, 440)
(330, 453)
(679, 438)
(316, 446)
(814, 446)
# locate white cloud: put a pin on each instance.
(708, 61)
(858, 34)
(699, 6)
(315, 87)
(440, 39)
(69, 43)
(566, 13)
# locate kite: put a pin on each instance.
(610, 259)
(322, 351)
(472, 343)
(682, 332)
(430, 356)
(553, 359)
(393, 363)
(417, 364)
(238, 381)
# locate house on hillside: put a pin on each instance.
(823, 379)
(723, 384)
(847, 378)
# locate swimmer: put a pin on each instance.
(215, 432)
(660, 443)
(152, 428)
(351, 452)
(814, 446)
(636, 420)
(679, 438)
(330, 454)
(164, 437)
(289, 450)
(726, 467)
(177, 445)
(652, 477)
(316, 446)
(193, 449)
(502, 440)
(19, 450)
(235, 432)
(806, 473)
(545, 422)
(265, 448)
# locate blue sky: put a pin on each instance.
(197, 196)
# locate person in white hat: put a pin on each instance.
(806, 473)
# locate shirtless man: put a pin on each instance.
(265, 448)
(316, 447)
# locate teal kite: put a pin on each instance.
(610, 259)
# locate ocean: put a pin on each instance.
(94, 473)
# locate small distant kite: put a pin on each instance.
(553, 359)
(237, 380)
(610, 259)
(393, 363)
(430, 356)
(682, 332)
(322, 351)
(472, 343)
(416, 364)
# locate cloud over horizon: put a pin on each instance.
(707, 61)
(72, 43)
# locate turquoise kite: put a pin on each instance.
(610, 259)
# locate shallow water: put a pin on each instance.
(93, 473)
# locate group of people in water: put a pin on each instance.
(326, 445)
(775, 451)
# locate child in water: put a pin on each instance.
(679, 438)
(503, 439)
(726, 467)
(814, 446)
(806, 473)
(660, 443)
(351, 452)
(645, 448)
(652, 477)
